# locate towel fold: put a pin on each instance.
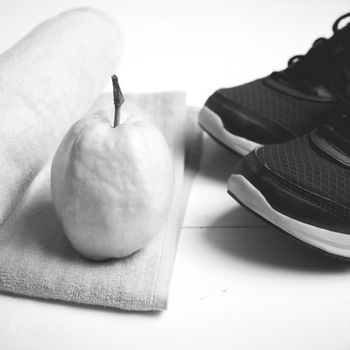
(48, 80)
(37, 260)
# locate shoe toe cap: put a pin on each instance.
(242, 121)
(289, 198)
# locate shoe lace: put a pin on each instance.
(323, 65)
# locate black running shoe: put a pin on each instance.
(302, 186)
(286, 104)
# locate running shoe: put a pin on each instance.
(302, 186)
(312, 90)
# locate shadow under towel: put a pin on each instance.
(37, 260)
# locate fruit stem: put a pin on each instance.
(118, 100)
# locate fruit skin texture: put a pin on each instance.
(112, 188)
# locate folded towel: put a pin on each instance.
(49, 79)
(37, 260)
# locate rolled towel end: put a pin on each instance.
(48, 80)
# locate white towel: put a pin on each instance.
(37, 260)
(48, 80)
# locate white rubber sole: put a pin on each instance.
(212, 123)
(329, 241)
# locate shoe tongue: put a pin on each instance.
(340, 41)
(340, 49)
(325, 62)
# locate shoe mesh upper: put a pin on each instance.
(299, 162)
(295, 115)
